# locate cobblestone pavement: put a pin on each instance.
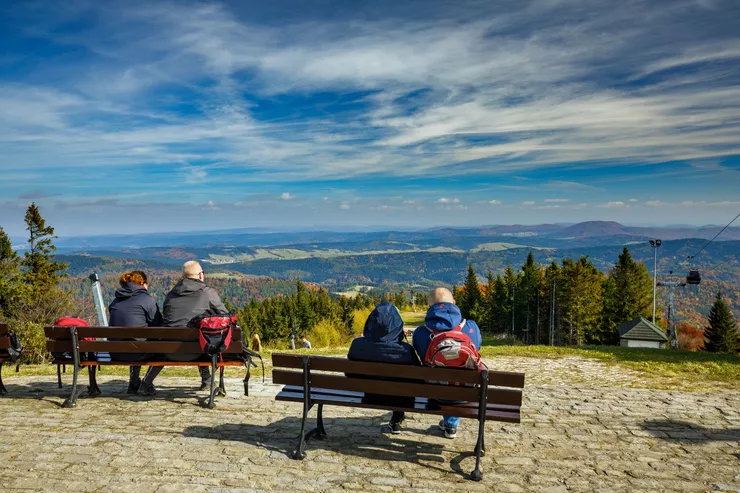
(573, 437)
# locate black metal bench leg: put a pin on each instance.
(246, 377)
(477, 475)
(72, 401)
(300, 453)
(319, 433)
(211, 397)
(3, 390)
(93, 390)
(59, 376)
(221, 386)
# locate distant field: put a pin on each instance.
(413, 318)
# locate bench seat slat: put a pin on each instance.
(159, 347)
(326, 363)
(320, 398)
(184, 333)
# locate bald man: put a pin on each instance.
(443, 315)
(189, 298)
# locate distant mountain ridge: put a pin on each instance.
(542, 235)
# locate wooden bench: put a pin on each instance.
(161, 341)
(4, 356)
(487, 396)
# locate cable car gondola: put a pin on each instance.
(694, 277)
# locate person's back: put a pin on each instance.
(189, 298)
(382, 342)
(443, 315)
(133, 307)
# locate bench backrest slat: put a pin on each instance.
(4, 336)
(4, 342)
(3, 329)
(325, 363)
(181, 333)
(287, 377)
(159, 347)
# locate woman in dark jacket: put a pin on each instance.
(382, 341)
(133, 307)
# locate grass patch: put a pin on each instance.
(413, 318)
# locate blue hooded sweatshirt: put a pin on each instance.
(443, 317)
(382, 339)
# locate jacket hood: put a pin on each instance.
(443, 316)
(128, 290)
(187, 286)
(384, 324)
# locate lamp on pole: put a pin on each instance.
(655, 244)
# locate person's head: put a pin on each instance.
(192, 270)
(304, 340)
(136, 277)
(440, 295)
(384, 324)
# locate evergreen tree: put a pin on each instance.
(470, 300)
(12, 289)
(527, 298)
(549, 303)
(500, 306)
(488, 319)
(43, 272)
(628, 294)
(581, 300)
(511, 279)
(721, 335)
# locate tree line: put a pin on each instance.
(574, 303)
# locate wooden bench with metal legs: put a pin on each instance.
(4, 356)
(161, 341)
(485, 396)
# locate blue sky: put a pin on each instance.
(170, 116)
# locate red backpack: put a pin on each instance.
(214, 333)
(452, 349)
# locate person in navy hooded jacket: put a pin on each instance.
(443, 315)
(382, 341)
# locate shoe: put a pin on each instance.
(205, 385)
(395, 428)
(133, 386)
(147, 389)
(449, 431)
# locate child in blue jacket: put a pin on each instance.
(382, 341)
(443, 315)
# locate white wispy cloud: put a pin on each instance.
(542, 84)
(286, 196)
(445, 200)
(494, 202)
(557, 200)
(612, 205)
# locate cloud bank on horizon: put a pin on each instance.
(160, 116)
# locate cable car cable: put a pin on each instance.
(690, 257)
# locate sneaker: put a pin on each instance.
(133, 386)
(395, 428)
(147, 389)
(449, 431)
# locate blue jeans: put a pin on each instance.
(451, 421)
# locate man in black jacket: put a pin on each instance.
(189, 298)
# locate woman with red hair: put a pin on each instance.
(133, 306)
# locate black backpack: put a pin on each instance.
(15, 351)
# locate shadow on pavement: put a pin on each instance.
(674, 430)
(345, 436)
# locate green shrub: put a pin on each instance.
(34, 342)
(358, 321)
(326, 333)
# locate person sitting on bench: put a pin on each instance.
(133, 306)
(382, 341)
(189, 298)
(444, 315)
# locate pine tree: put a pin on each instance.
(471, 300)
(43, 272)
(628, 294)
(12, 289)
(721, 335)
(527, 298)
(581, 300)
(489, 304)
(552, 280)
(500, 307)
